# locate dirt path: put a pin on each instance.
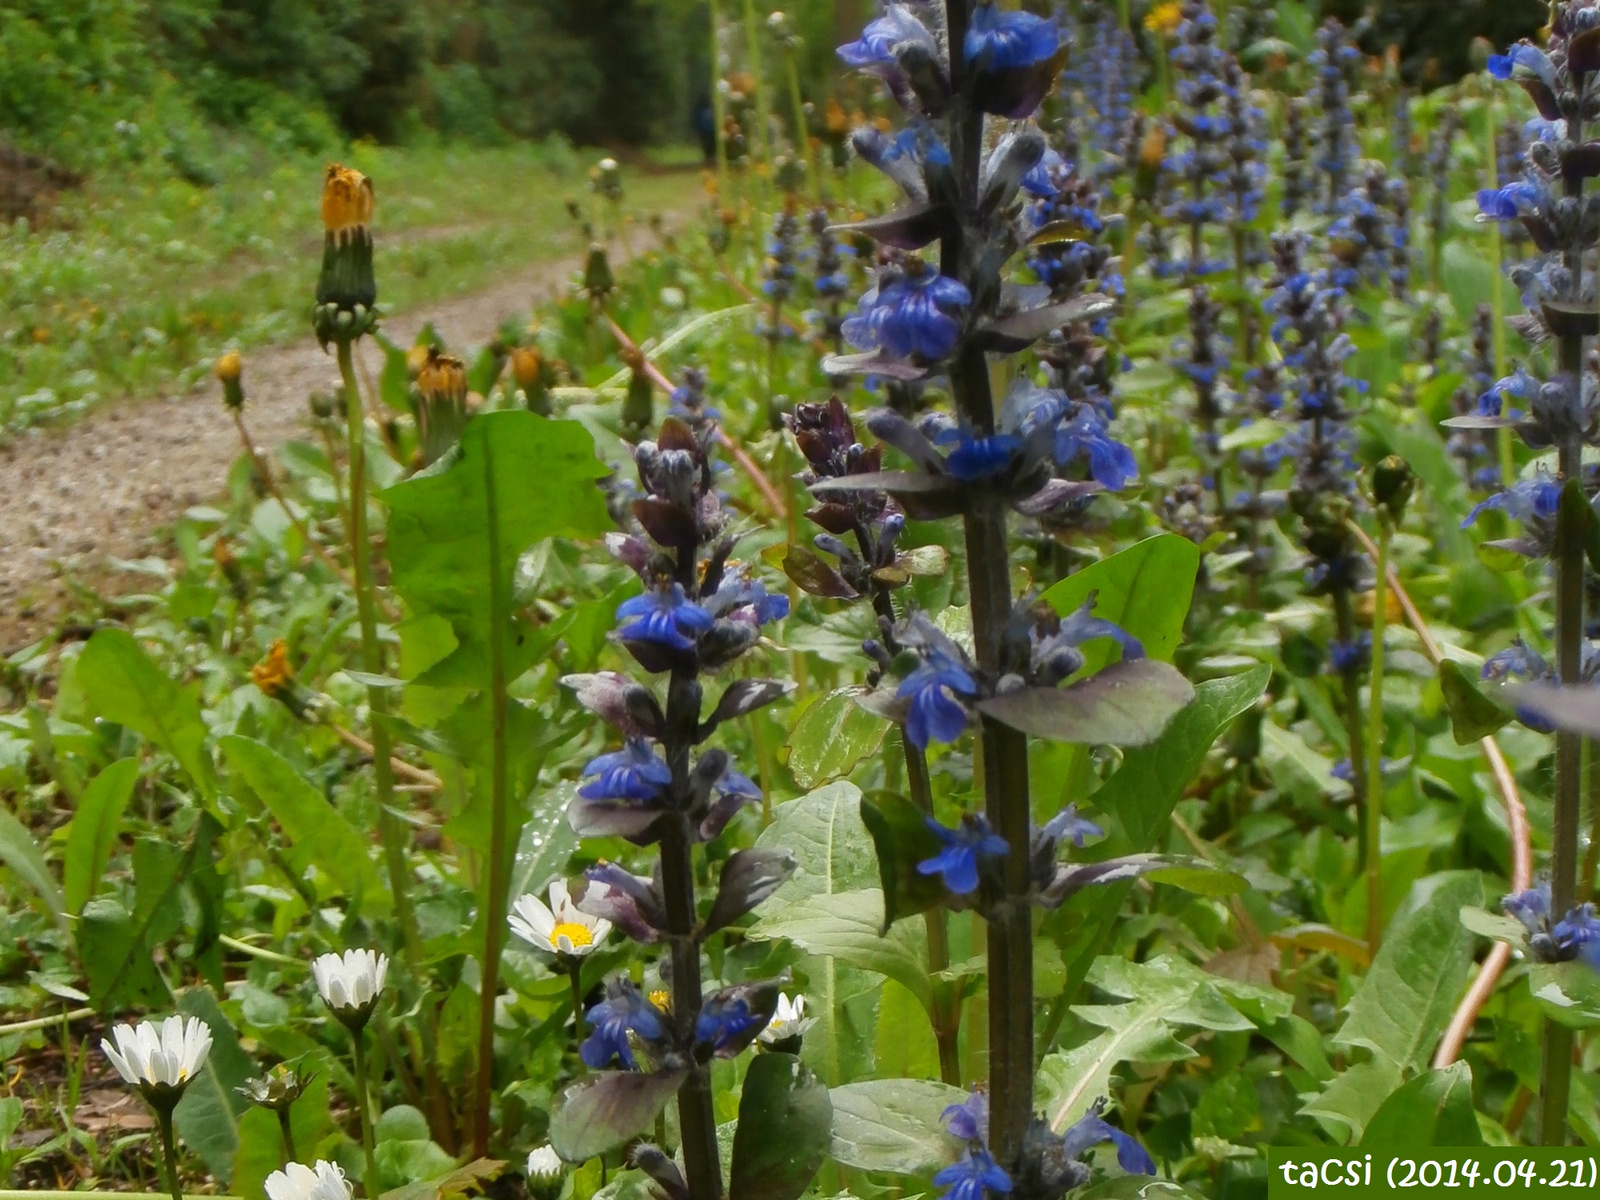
(100, 489)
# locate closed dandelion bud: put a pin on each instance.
(439, 402)
(638, 406)
(229, 372)
(531, 373)
(275, 678)
(598, 281)
(1147, 171)
(346, 289)
(1392, 485)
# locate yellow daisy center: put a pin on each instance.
(578, 935)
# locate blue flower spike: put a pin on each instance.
(957, 864)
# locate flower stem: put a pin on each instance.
(575, 973)
(1374, 814)
(1345, 630)
(286, 1128)
(719, 111)
(363, 1107)
(752, 37)
(697, 1121)
(389, 827)
(946, 1024)
(169, 1149)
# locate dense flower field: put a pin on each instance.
(1042, 642)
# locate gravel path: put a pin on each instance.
(102, 488)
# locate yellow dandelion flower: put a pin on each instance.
(347, 201)
(273, 673)
(1164, 18)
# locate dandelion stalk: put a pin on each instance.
(389, 827)
(1374, 814)
(752, 33)
(719, 108)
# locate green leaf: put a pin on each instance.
(93, 829)
(455, 535)
(1434, 1109)
(21, 853)
(1569, 993)
(261, 1147)
(1354, 1095)
(831, 736)
(1298, 769)
(785, 1118)
(319, 832)
(1144, 589)
(603, 1112)
(847, 927)
(207, 1118)
(893, 1125)
(1125, 704)
(463, 1181)
(123, 685)
(1164, 996)
(1473, 715)
(902, 839)
(1416, 980)
(545, 843)
(117, 947)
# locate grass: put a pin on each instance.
(137, 282)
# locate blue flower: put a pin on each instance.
(1090, 1130)
(1351, 656)
(912, 315)
(1511, 201)
(970, 1178)
(957, 863)
(1577, 935)
(725, 1021)
(1111, 464)
(633, 773)
(1520, 386)
(976, 458)
(1531, 907)
(663, 616)
(875, 46)
(1527, 498)
(1518, 661)
(741, 598)
(1527, 57)
(624, 1010)
(935, 714)
(1000, 41)
(968, 1120)
(1068, 826)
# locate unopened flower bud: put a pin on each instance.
(439, 402)
(638, 406)
(1392, 485)
(598, 281)
(229, 371)
(346, 289)
(275, 677)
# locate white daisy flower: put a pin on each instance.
(160, 1059)
(557, 928)
(324, 1181)
(544, 1163)
(789, 1020)
(351, 984)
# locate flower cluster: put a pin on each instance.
(1575, 936)
(1335, 61)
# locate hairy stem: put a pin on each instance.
(364, 1107)
(389, 826)
(1374, 814)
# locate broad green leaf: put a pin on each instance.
(545, 843)
(604, 1111)
(902, 839)
(93, 829)
(123, 685)
(1569, 993)
(1125, 704)
(21, 853)
(1163, 996)
(455, 534)
(785, 1118)
(116, 946)
(832, 848)
(207, 1118)
(1473, 715)
(1495, 925)
(846, 926)
(467, 1180)
(893, 1125)
(831, 736)
(319, 832)
(1138, 801)
(906, 1047)
(1298, 769)
(1354, 1095)
(1416, 980)
(1144, 589)
(1434, 1109)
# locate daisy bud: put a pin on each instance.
(351, 984)
(160, 1060)
(545, 1174)
(323, 1181)
(788, 1025)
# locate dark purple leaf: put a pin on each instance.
(1074, 877)
(872, 362)
(664, 521)
(1543, 98)
(1582, 161)
(906, 228)
(785, 1129)
(748, 878)
(744, 696)
(663, 1171)
(1583, 52)
(1019, 330)
(600, 1114)
(893, 429)
(1053, 495)
(1127, 704)
(1571, 320)
(610, 818)
(814, 576)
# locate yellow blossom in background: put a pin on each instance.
(273, 673)
(1164, 18)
